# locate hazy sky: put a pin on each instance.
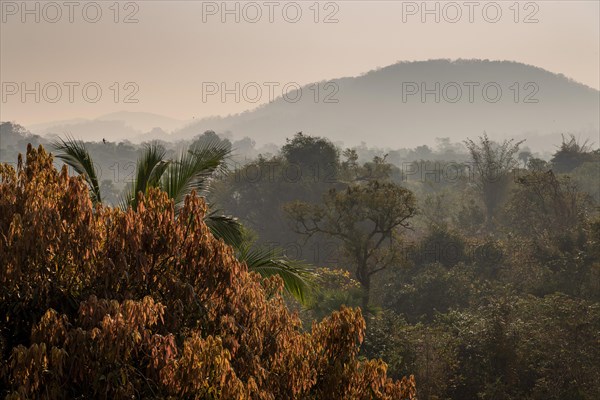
(177, 48)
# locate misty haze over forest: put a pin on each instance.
(403, 105)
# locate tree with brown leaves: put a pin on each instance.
(113, 304)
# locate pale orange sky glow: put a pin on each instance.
(165, 59)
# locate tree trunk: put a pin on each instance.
(366, 291)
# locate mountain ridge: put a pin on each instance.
(374, 102)
(379, 107)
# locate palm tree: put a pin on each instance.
(193, 169)
(74, 153)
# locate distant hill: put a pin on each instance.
(133, 126)
(385, 108)
(379, 109)
(144, 121)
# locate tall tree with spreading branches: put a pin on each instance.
(492, 164)
(367, 219)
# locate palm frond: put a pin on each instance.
(74, 153)
(151, 165)
(125, 199)
(298, 277)
(193, 170)
(225, 227)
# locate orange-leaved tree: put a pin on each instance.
(105, 303)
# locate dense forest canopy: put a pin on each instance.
(475, 265)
